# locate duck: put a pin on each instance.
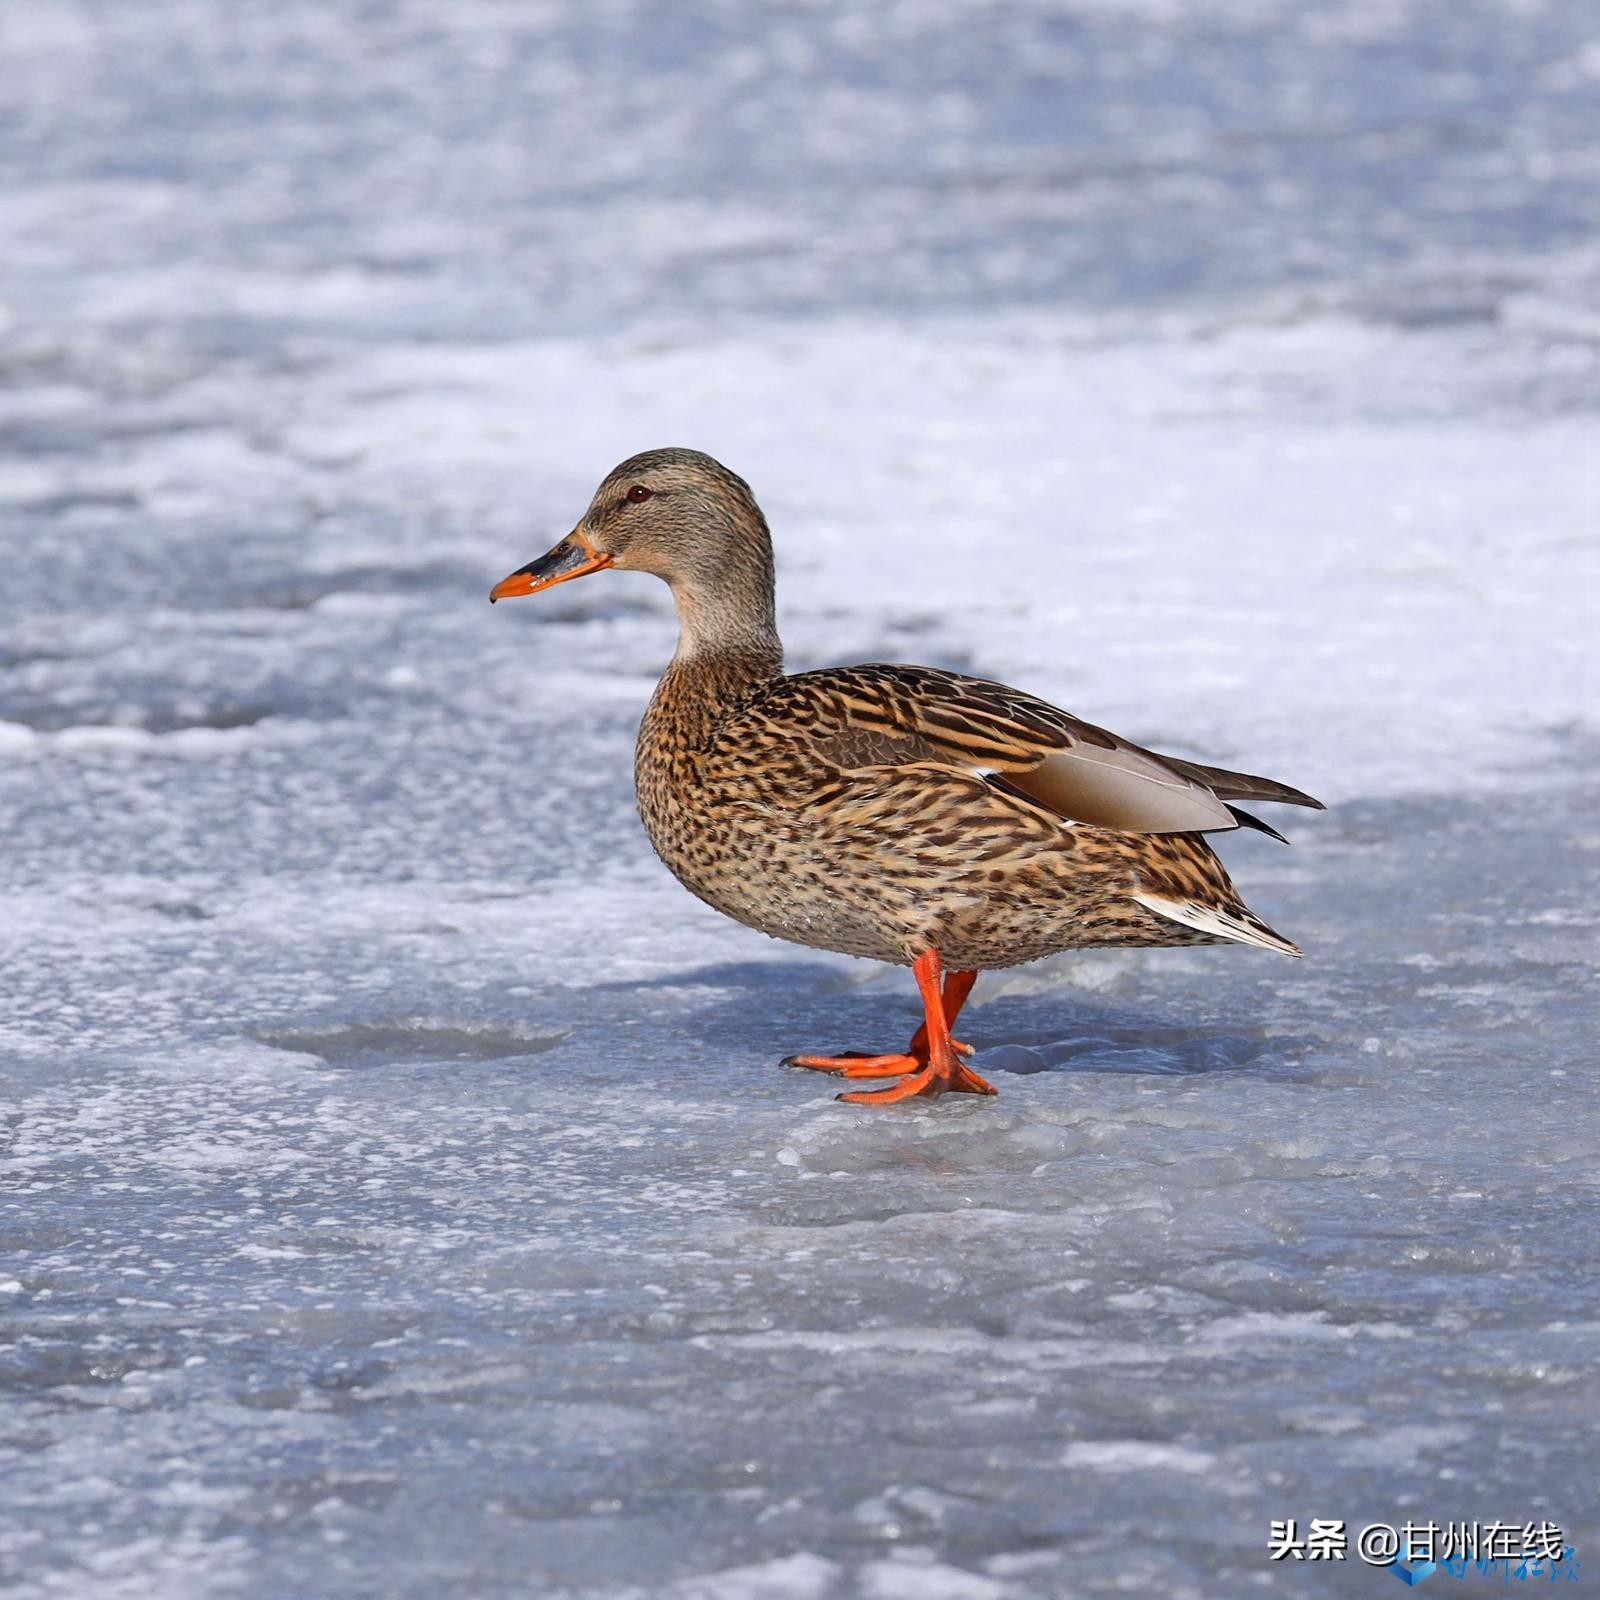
(905, 814)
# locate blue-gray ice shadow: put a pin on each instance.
(781, 1008)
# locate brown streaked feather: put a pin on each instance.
(877, 714)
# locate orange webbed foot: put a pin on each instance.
(862, 1064)
(930, 1065)
(925, 1084)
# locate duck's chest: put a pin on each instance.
(669, 785)
(731, 825)
(698, 809)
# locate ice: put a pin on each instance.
(401, 1192)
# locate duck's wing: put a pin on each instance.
(1226, 785)
(881, 715)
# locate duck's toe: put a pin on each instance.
(863, 1064)
(857, 1064)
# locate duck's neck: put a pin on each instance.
(727, 644)
(731, 622)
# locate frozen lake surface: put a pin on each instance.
(401, 1196)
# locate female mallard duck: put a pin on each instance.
(902, 813)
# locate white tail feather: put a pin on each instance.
(1215, 921)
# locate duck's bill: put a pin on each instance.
(573, 557)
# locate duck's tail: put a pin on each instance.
(1234, 922)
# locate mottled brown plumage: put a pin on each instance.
(897, 812)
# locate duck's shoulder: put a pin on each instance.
(853, 714)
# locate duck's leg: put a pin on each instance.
(943, 1070)
(864, 1064)
(957, 986)
(933, 1065)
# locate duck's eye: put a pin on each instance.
(638, 494)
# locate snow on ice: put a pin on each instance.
(401, 1193)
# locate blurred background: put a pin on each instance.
(404, 1195)
(499, 170)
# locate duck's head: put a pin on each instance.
(676, 513)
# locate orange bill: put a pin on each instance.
(573, 557)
